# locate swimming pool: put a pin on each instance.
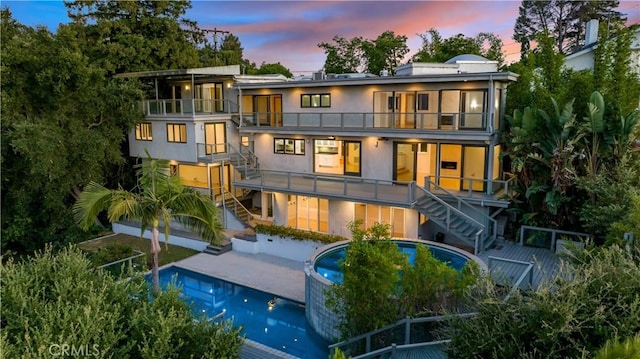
(275, 322)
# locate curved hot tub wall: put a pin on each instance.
(324, 321)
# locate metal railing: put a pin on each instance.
(401, 193)
(372, 343)
(452, 212)
(129, 265)
(448, 121)
(500, 273)
(187, 107)
(475, 185)
(236, 207)
(490, 225)
(547, 237)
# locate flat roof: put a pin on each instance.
(230, 70)
(481, 76)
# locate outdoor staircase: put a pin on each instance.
(478, 233)
(234, 206)
(217, 249)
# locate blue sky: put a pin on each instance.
(289, 31)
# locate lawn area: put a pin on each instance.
(174, 253)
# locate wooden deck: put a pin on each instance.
(545, 261)
(392, 193)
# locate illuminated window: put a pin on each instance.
(315, 100)
(143, 131)
(177, 132)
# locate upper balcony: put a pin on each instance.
(382, 124)
(166, 108)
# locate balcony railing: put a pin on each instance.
(361, 120)
(474, 187)
(189, 107)
(338, 186)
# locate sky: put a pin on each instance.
(289, 31)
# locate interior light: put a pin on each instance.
(187, 87)
(474, 105)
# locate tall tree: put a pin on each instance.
(563, 19)
(63, 121)
(343, 56)
(137, 35)
(229, 53)
(158, 199)
(276, 68)
(385, 52)
(436, 49)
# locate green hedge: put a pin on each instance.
(297, 234)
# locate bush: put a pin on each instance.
(53, 300)
(111, 253)
(588, 302)
(297, 234)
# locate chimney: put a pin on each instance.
(591, 32)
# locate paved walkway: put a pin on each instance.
(279, 276)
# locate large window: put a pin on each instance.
(289, 146)
(315, 100)
(369, 214)
(308, 213)
(215, 137)
(144, 132)
(177, 132)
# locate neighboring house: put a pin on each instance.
(584, 58)
(418, 150)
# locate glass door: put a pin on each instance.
(404, 166)
(261, 109)
(352, 158)
(215, 137)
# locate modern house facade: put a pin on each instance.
(418, 150)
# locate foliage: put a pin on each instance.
(297, 234)
(627, 222)
(338, 354)
(343, 56)
(563, 20)
(385, 52)
(139, 35)
(614, 349)
(575, 313)
(111, 253)
(159, 196)
(63, 122)
(274, 69)
(61, 299)
(431, 287)
(370, 276)
(380, 286)
(436, 49)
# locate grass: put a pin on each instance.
(166, 256)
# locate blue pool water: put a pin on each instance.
(328, 265)
(266, 319)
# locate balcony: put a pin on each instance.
(187, 107)
(345, 121)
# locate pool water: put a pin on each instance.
(265, 318)
(328, 265)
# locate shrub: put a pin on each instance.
(297, 234)
(588, 302)
(52, 300)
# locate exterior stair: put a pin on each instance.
(217, 249)
(233, 205)
(456, 219)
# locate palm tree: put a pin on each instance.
(158, 197)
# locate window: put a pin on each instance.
(288, 145)
(315, 100)
(423, 102)
(143, 131)
(176, 132)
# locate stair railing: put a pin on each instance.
(237, 209)
(491, 223)
(452, 211)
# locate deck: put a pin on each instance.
(393, 193)
(545, 261)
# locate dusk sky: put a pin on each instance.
(289, 31)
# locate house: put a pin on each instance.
(418, 150)
(584, 58)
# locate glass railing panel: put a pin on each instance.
(331, 120)
(309, 120)
(427, 121)
(382, 120)
(473, 121)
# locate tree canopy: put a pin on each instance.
(436, 49)
(563, 20)
(63, 122)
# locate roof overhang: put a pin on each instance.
(231, 70)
